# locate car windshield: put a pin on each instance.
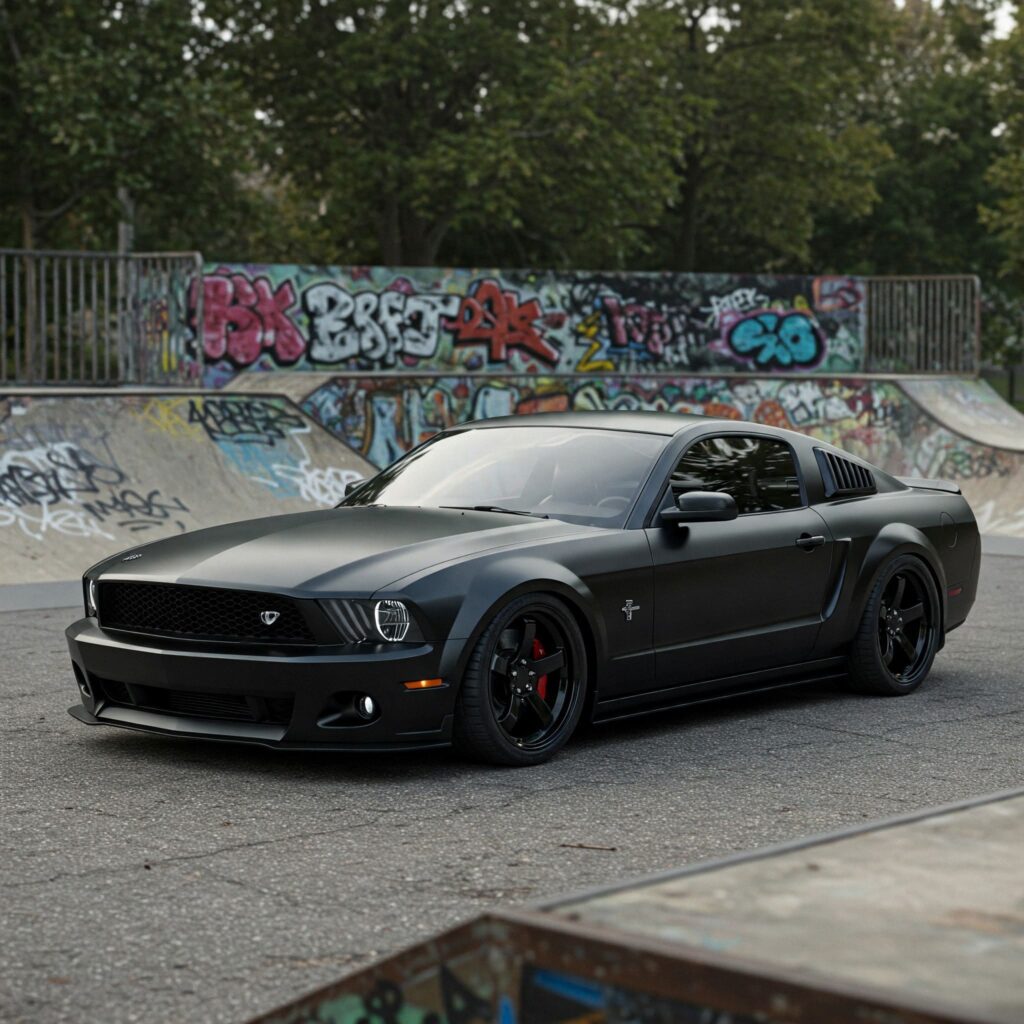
(581, 476)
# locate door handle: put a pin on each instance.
(806, 541)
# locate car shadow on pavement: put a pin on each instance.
(440, 763)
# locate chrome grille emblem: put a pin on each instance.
(269, 618)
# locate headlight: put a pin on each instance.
(91, 605)
(392, 620)
(361, 621)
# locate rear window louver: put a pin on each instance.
(843, 478)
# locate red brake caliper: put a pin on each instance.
(537, 653)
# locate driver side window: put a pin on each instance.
(758, 472)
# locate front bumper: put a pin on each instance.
(292, 700)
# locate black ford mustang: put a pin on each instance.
(509, 577)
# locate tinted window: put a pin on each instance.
(760, 474)
(582, 476)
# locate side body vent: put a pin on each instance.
(843, 477)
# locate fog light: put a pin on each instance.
(83, 683)
(367, 707)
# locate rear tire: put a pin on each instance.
(899, 632)
(525, 684)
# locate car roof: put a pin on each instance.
(665, 423)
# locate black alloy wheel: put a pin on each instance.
(899, 632)
(524, 688)
(903, 625)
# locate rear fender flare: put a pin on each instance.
(894, 540)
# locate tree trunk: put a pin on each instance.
(389, 234)
(406, 240)
(686, 252)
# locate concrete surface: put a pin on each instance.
(929, 910)
(148, 879)
(84, 476)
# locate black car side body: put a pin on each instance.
(671, 611)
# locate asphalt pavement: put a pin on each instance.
(149, 879)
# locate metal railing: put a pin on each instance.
(113, 318)
(98, 317)
(923, 324)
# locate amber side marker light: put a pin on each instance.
(423, 684)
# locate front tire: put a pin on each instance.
(899, 631)
(524, 687)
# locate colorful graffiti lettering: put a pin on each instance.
(559, 998)
(380, 326)
(463, 321)
(495, 315)
(834, 294)
(244, 317)
(776, 340)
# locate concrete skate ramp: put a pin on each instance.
(915, 920)
(85, 475)
(971, 408)
(954, 428)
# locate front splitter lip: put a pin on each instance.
(181, 727)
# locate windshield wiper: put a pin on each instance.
(498, 508)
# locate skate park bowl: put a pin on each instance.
(249, 390)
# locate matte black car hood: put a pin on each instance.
(343, 550)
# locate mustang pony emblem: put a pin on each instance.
(269, 618)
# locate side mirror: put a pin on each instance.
(701, 507)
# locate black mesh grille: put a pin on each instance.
(843, 477)
(200, 613)
(229, 706)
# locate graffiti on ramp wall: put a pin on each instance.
(393, 320)
(126, 469)
(383, 418)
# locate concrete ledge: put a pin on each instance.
(16, 597)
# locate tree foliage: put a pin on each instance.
(868, 136)
(481, 131)
(780, 141)
(1004, 214)
(102, 95)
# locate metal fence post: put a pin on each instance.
(96, 317)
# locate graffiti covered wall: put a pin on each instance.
(82, 477)
(379, 319)
(876, 419)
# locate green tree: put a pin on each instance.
(779, 141)
(478, 131)
(931, 99)
(107, 100)
(1004, 214)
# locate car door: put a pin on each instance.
(738, 596)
